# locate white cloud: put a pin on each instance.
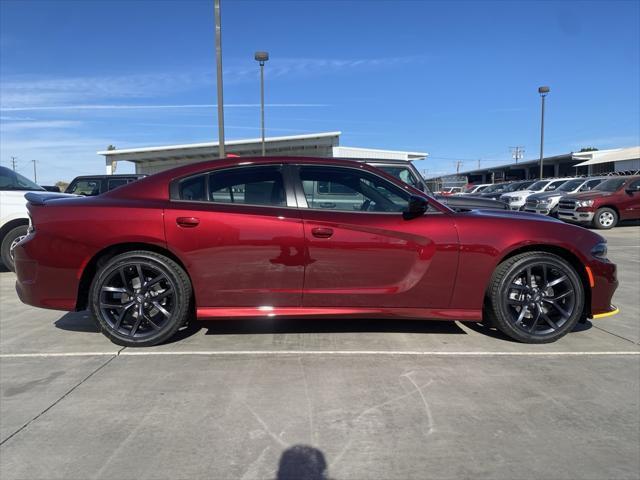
(152, 107)
(17, 126)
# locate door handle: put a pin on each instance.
(322, 232)
(188, 222)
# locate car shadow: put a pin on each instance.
(328, 325)
(77, 322)
(495, 333)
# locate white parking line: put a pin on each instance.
(133, 353)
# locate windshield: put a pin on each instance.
(517, 186)
(490, 189)
(611, 185)
(539, 185)
(571, 185)
(10, 180)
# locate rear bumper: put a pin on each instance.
(44, 286)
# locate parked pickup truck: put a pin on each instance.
(615, 199)
(91, 185)
(14, 218)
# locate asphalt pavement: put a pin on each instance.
(356, 399)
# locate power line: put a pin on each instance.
(517, 153)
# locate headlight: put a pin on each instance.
(543, 202)
(584, 203)
(30, 228)
(600, 250)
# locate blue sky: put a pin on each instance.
(455, 79)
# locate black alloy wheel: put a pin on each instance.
(536, 297)
(140, 298)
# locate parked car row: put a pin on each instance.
(599, 201)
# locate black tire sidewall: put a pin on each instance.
(600, 211)
(169, 268)
(5, 248)
(502, 317)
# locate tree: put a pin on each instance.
(589, 149)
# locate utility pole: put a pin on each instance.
(517, 153)
(13, 163)
(543, 91)
(35, 174)
(216, 8)
(458, 164)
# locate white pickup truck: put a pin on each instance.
(14, 220)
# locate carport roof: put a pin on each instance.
(290, 142)
(605, 156)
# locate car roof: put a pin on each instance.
(156, 185)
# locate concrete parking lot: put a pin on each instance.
(359, 399)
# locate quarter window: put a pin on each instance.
(350, 190)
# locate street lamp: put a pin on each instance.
(262, 57)
(543, 91)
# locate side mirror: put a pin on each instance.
(416, 208)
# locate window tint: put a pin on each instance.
(590, 184)
(10, 180)
(350, 190)
(193, 189)
(611, 185)
(403, 173)
(251, 186)
(86, 187)
(111, 184)
(634, 185)
(553, 185)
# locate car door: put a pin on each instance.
(629, 205)
(362, 252)
(240, 236)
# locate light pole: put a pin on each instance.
(262, 57)
(216, 11)
(543, 91)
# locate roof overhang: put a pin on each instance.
(209, 149)
(606, 156)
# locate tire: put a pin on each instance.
(9, 241)
(605, 218)
(140, 313)
(523, 309)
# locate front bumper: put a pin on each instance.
(603, 285)
(540, 210)
(575, 216)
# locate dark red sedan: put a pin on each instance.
(276, 237)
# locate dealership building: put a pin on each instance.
(151, 160)
(596, 162)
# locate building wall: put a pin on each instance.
(625, 165)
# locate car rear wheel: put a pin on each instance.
(140, 298)
(535, 297)
(9, 242)
(605, 218)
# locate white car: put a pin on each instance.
(14, 219)
(546, 203)
(517, 200)
(473, 189)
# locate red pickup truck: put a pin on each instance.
(614, 200)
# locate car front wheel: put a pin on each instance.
(535, 297)
(140, 298)
(605, 218)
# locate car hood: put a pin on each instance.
(591, 194)
(519, 193)
(545, 195)
(512, 214)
